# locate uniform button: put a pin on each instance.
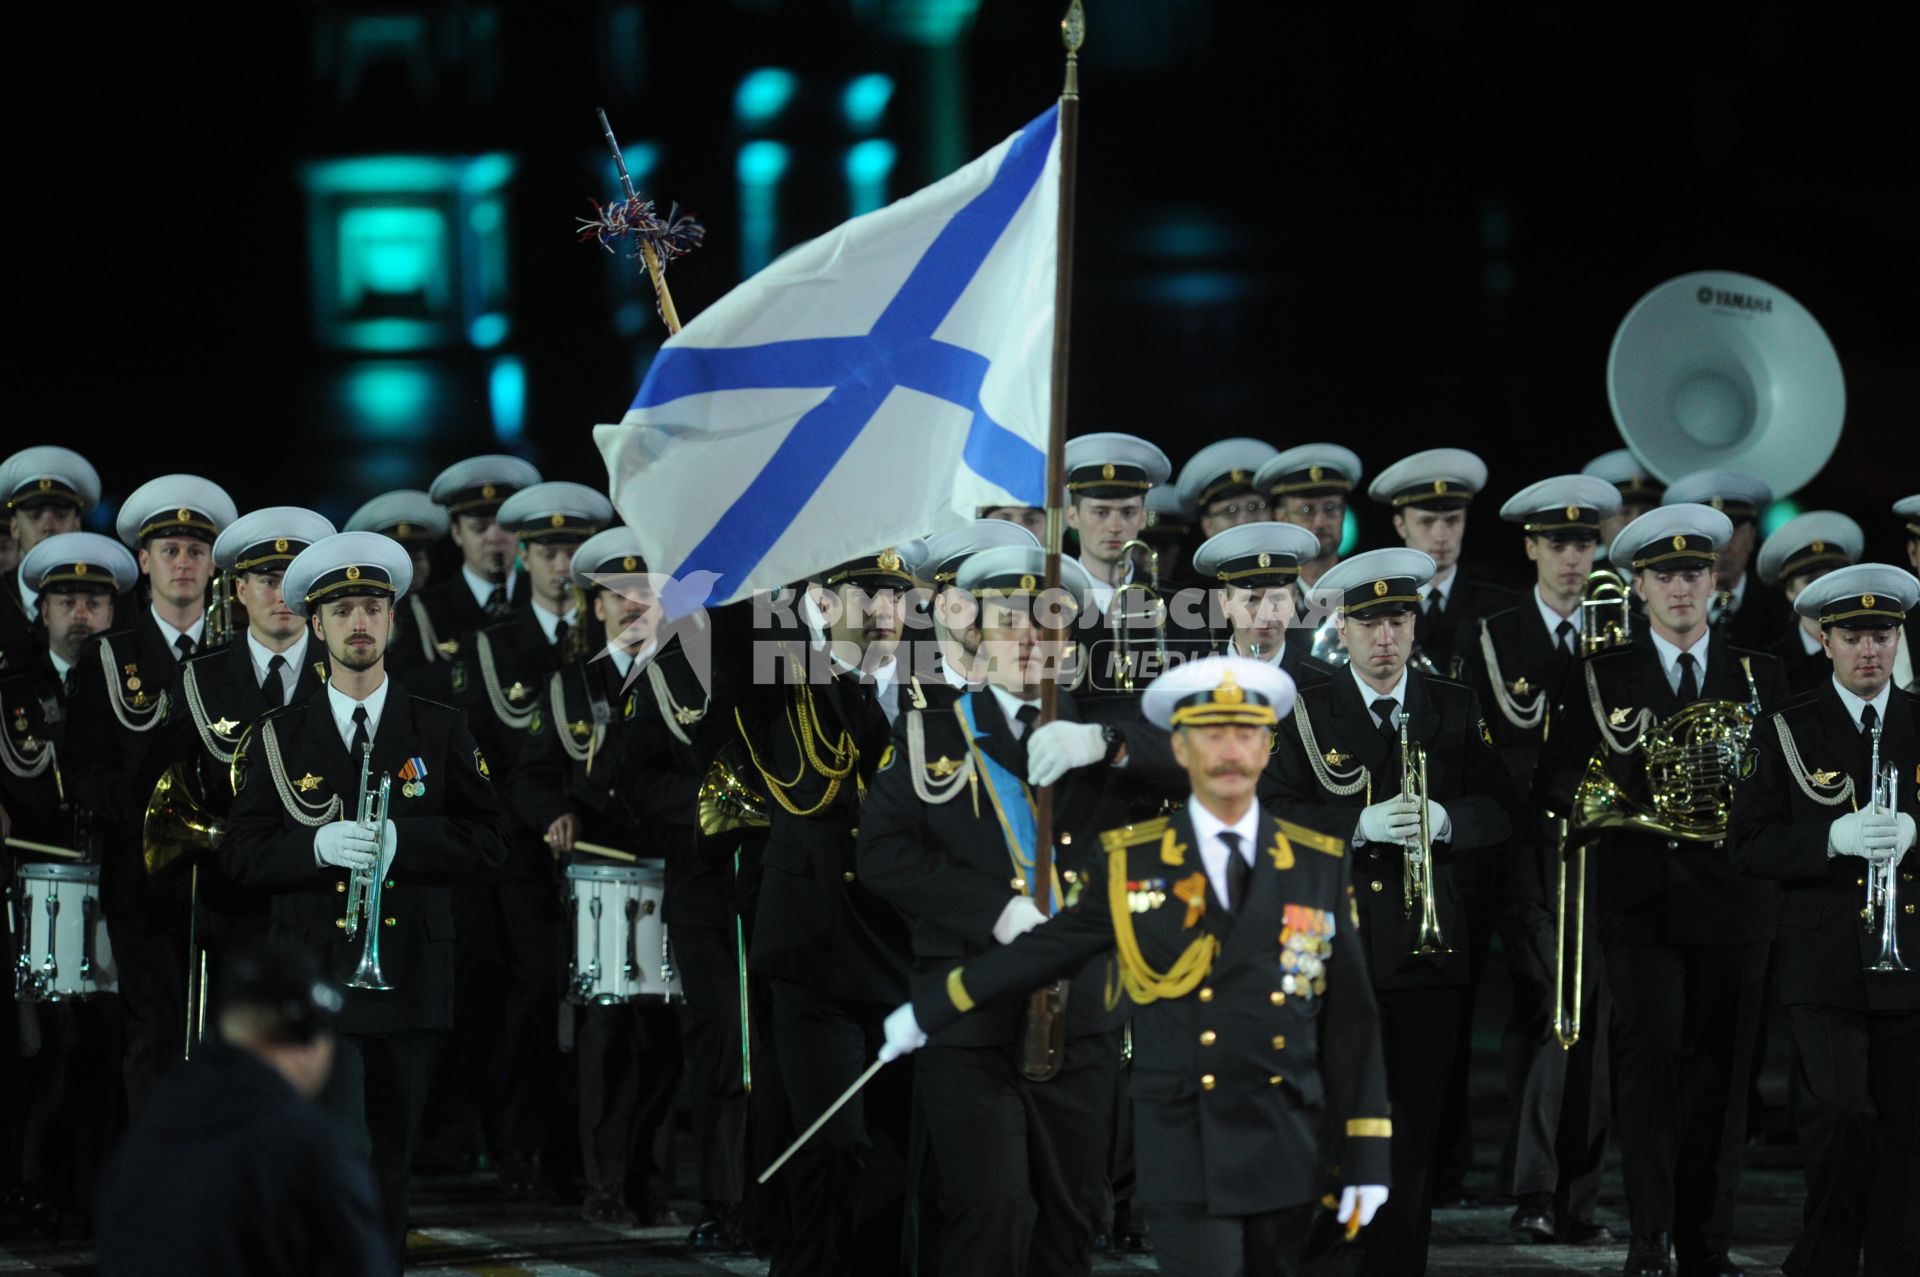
(340, 923)
(848, 875)
(1206, 995)
(1069, 877)
(1206, 1081)
(854, 832)
(1274, 1080)
(340, 887)
(1278, 998)
(1378, 885)
(1373, 855)
(388, 921)
(1018, 884)
(1208, 1038)
(1066, 840)
(1859, 882)
(1906, 908)
(1279, 1041)
(1906, 877)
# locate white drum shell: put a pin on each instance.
(623, 955)
(81, 966)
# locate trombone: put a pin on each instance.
(1416, 863)
(1566, 999)
(363, 885)
(1156, 612)
(1605, 612)
(1883, 884)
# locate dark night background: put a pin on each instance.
(1397, 228)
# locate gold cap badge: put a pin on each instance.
(1379, 588)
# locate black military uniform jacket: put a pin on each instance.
(18, 648)
(604, 751)
(1257, 1060)
(434, 642)
(296, 775)
(504, 671)
(1331, 744)
(945, 864)
(32, 728)
(1689, 894)
(229, 1170)
(816, 923)
(1470, 597)
(1782, 812)
(220, 699)
(1764, 615)
(1807, 672)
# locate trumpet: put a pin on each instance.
(1416, 863)
(1156, 613)
(219, 628)
(1605, 611)
(1883, 884)
(363, 885)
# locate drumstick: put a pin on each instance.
(821, 1121)
(65, 853)
(611, 853)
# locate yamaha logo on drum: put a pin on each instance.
(1734, 301)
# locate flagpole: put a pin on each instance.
(1043, 1029)
(1072, 32)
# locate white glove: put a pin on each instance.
(1019, 917)
(344, 844)
(1365, 1198)
(1906, 835)
(1439, 824)
(903, 1033)
(389, 844)
(1055, 749)
(1396, 820)
(1867, 833)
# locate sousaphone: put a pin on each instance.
(1721, 371)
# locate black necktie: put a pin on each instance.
(497, 601)
(1868, 717)
(184, 646)
(359, 741)
(1689, 684)
(1238, 870)
(274, 685)
(1028, 716)
(1563, 638)
(1436, 603)
(560, 629)
(1383, 711)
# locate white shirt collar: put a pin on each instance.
(172, 636)
(1810, 643)
(1010, 707)
(1739, 592)
(1207, 828)
(1442, 584)
(29, 597)
(1368, 696)
(1670, 658)
(483, 588)
(1551, 619)
(622, 661)
(263, 657)
(343, 706)
(548, 621)
(1102, 592)
(1855, 704)
(60, 667)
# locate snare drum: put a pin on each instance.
(64, 954)
(620, 949)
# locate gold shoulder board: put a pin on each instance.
(1301, 836)
(1133, 835)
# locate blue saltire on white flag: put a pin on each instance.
(871, 386)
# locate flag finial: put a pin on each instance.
(1073, 30)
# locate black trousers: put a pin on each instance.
(845, 1190)
(1684, 1023)
(1418, 1028)
(65, 1101)
(700, 919)
(1188, 1242)
(1480, 899)
(150, 954)
(1856, 1103)
(628, 1061)
(1560, 1101)
(378, 1092)
(1021, 1164)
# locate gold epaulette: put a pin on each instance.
(1133, 835)
(1301, 836)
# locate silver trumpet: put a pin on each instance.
(1883, 883)
(363, 885)
(1416, 863)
